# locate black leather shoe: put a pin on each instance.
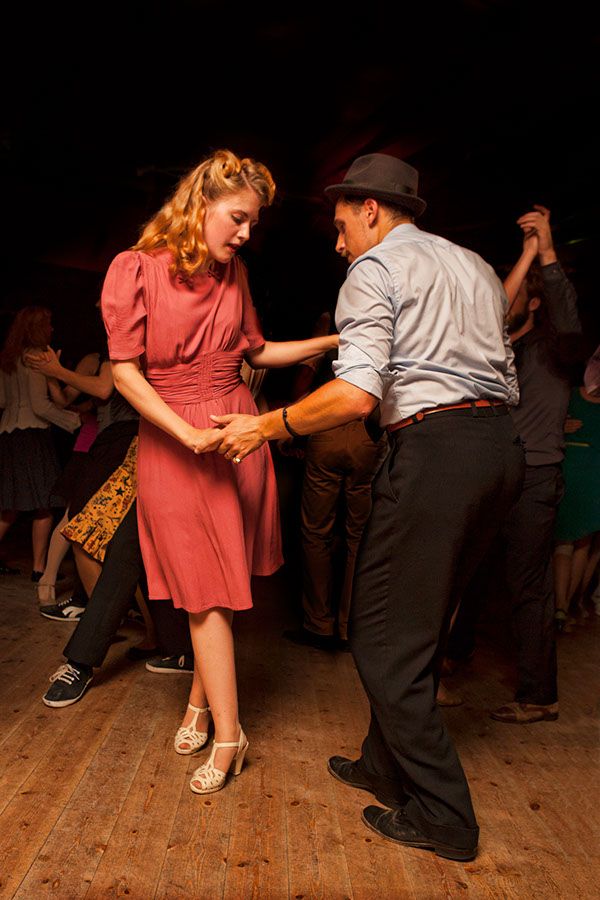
(395, 825)
(310, 639)
(350, 772)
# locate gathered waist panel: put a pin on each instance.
(208, 376)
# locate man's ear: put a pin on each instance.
(371, 208)
(534, 304)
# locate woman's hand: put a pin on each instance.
(47, 362)
(202, 440)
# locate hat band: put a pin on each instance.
(389, 188)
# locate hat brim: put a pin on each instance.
(334, 191)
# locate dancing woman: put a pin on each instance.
(180, 323)
(28, 459)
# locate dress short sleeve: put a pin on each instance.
(123, 307)
(250, 321)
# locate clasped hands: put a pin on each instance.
(234, 436)
(535, 225)
(46, 361)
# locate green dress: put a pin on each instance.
(579, 510)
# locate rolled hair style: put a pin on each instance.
(178, 226)
(30, 329)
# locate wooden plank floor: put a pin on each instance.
(94, 802)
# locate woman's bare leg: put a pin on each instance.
(88, 569)
(40, 535)
(592, 563)
(578, 566)
(199, 700)
(7, 517)
(212, 639)
(57, 551)
(561, 560)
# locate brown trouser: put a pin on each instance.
(340, 463)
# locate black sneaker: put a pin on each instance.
(171, 665)
(68, 685)
(63, 611)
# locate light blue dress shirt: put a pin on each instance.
(421, 323)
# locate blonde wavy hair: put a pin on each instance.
(178, 226)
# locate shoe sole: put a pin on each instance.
(61, 618)
(550, 717)
(387, 802)
(57, 704)
(159, 671)
(442, 850)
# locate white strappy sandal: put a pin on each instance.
(207, 778)
(187, 734)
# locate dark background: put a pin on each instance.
(106, 106)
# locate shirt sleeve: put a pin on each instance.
(123, 307)
(561, 300)
(365, 320)
(42, 405)
(512, 380)
(251, 328)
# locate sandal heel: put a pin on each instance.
(238, 760)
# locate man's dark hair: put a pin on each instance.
(534, 283)
(566, 350)
(396, 210)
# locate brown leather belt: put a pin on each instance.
(418, 417)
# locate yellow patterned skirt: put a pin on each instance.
(95, 525)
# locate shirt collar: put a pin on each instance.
(404, 228)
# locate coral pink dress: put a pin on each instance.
(206, 525)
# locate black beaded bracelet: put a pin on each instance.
(289, 428)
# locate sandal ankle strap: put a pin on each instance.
(198, 709)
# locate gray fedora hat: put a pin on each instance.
(382, 177)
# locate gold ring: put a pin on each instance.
(236, 459)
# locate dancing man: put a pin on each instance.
(422, 331)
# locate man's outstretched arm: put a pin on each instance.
(332, 404)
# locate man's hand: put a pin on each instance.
(240, 435)
(47, 362)
(537, 222)
(202, 440)
(572, 425)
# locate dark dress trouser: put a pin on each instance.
(123, 569)
(528, 539)
(438, 502)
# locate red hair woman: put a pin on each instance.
(180, 323)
